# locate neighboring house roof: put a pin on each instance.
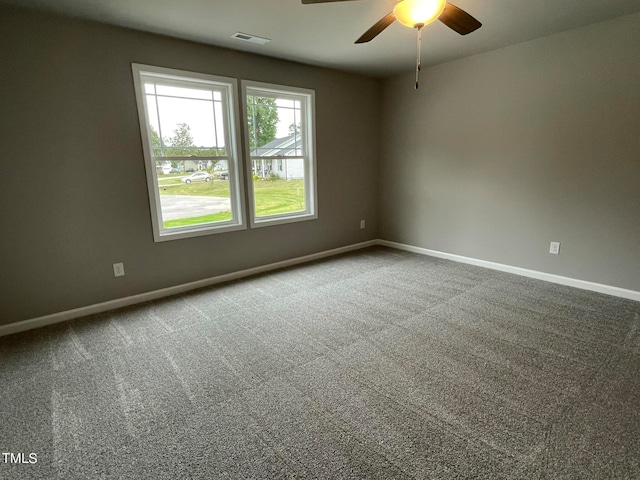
(286, 146)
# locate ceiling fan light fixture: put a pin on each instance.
(417, 13)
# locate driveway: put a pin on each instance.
(175, 207)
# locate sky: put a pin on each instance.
(202, 111)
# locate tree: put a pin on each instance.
(262, 116)
(294, 128)
(156, 142)
(181, 144)
(181, 138)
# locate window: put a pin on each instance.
(279, 132)
(189, 142)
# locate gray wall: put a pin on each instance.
(500, 153)
(73, 195)
(495, 156)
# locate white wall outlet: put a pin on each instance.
(118, 269)
(554, 248)
(362, 224)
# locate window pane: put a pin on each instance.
(193, 192)
(282, 190)
(173, 91)
(274, 126)
(188, 127)
(185, 121)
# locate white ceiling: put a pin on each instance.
(323, 34)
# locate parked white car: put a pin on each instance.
(197, 177)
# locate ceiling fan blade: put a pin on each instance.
(374, 31)
(457, 19)
(309, 2)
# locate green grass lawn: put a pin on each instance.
(279, 196)
(271, 197)
(184, 222)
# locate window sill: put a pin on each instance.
(182, 233)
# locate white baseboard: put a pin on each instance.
(166, 292)
(548, 277)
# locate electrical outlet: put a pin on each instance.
(118, 269)
(362, 224)
(554, 248)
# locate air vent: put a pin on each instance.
(246, 37)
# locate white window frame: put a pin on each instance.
(229, 88)
(307, 96)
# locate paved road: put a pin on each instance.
(185, 206)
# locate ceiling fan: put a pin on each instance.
(416, 14)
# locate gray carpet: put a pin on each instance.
(377, 364)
